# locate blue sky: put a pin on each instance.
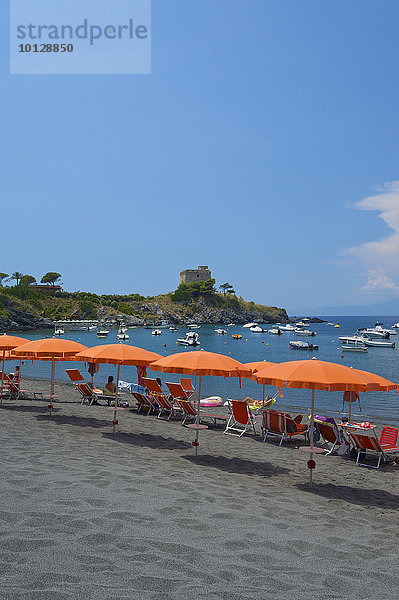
(264, 144)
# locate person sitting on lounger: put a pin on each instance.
(110, 387)
(16, 376)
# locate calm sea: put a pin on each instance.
(381, 406)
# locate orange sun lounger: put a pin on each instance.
(281, 425)
(241, 418)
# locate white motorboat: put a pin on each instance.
(348, 348)
(305, 332)
(173, 328)
(122, 335)
(230, 325)
(300, 345)
(221, 331)
(275, 331)
(257, 329)
(249, 325)
(288, 327)
(191, 339)
(193, 326)
(395, 326)
(374, 333)
(302, 324)
(380, 343)
(157, 332)
(103, 332)
(59, 331)
(380, 327)
(352, 340)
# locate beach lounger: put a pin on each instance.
(189, 412)
(388, 437)
(369, 444)
(12, 391)
(87, 393)
(281, 425)
(241, 418)
(143, 402)
(187, 386)
(330, 432)
(75, 375)
(92, 395)
(158, 398)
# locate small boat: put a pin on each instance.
(122, 335)
(275, 331)
(230, 325)
(257, 329)
(302, 323)
(300, 345)
(157, 332)
(221, 331)
(305, 332)
(191, 339)
(193, 326)
(352, 340)
(288, 327)
(103, 332)
(395, 326)
(59, 331)
(337, 325)
(348, 348)
(101, 335)
(173, 328)
(249, 325)
(379, 343)
(373, 333)
(236, 336)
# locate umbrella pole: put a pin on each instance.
(311, 436)
(350, 406)
(114, 422)
(198, 415)
(2, 379)
(52, 384)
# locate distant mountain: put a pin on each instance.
(389, 308)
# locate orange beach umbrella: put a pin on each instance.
(201, 362)
(316, 374)
(49, 349)
(7, 343)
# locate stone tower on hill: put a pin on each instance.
(200, 274)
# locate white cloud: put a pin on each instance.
(385, 252)
(378, 282)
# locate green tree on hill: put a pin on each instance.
(50, 277)
(27, 279)
(2, 276)
(227, 288)
(16, 277)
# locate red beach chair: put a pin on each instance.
(187, 386)
(241, 418)
(281, 425)
(389, 437)
(143, 402)
(369, 444)
(330, 432)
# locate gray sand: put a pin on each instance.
(87, 514)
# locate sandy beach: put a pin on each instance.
(88, 514)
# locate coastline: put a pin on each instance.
(134, 514)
